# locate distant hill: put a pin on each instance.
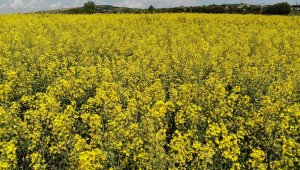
(114, 9)
(280, 8)
(99, 9)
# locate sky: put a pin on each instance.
(13, 6)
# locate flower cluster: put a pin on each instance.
(156, 91)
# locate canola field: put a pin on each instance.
(156, 91)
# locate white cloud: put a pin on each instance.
(3, 6)
(131, 3)
(155, 3)
(11, 6)
(23, 4)
(55, 5)
(16, 4)
(33, 4)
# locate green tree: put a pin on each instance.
(151, 9)
(89, 7)
(279, 8)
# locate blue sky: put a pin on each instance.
(11, 6)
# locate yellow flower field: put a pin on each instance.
(159, 91)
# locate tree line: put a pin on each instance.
(276, 9)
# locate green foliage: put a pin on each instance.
(295, 13)
(89, 7)
(279, 9)
(151, 9)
